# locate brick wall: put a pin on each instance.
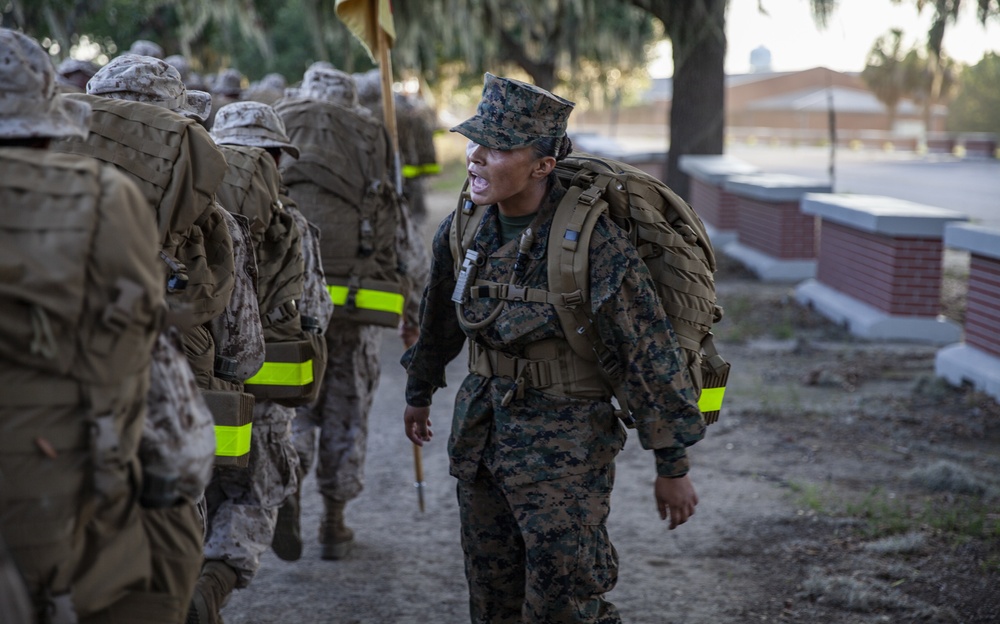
(714, 205)
(777, 229)
(900, 276)
(982, 314)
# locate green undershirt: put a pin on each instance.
(511, 227)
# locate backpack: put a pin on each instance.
(291, 369)
(343, 183)
(81, 304)
(669, 237)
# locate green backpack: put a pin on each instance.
(669, 237)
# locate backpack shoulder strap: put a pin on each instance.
(464, 225)
(569, 259)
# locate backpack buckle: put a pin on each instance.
(573, 299)
(590, 196)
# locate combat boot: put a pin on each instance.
(335, 537)
(216, 582)
(287, 540)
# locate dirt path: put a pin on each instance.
(802, 487)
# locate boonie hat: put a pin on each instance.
(515, 114)
(331, 85)
(143, 47)
(251, 124)
(30, 105)
(228, 82)
(150, 80)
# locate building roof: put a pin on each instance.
(816, 100)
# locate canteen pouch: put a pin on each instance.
(291, 373)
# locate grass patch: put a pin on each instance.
(961, 517)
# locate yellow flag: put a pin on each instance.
(359, 16)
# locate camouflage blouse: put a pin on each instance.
(541, 435)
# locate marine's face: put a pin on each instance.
(499, 176)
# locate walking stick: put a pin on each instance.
(419, 469)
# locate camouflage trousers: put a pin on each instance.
(241, 504)
(539, 552)
(340, 413)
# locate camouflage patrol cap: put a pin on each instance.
(150, 80)
(515, 114)
(330, 85)
(30, 106)
(143, 47)
(252, 124)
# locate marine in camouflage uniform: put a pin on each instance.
(179, 169)
(113, 558)
(339, 418)
(535, 459)
(242, 503)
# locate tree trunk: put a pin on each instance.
(697, 115)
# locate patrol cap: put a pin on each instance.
(515, 114)
(331, 85)
(252, 124)
(30, 105)
(144, 47)
(150, 80)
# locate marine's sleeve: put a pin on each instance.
(237, 330)
(633, 325)
(441, 337)
(178, 438)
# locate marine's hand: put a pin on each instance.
(409, 333)
(676, 498)
(418, 424)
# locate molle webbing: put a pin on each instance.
(550, 366)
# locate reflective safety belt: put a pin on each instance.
(283, 374)
(414, 171)
(366, 299)
(711, 399)
(232, 441)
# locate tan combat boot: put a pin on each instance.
(287, 540)
(335, 537)
(216, 582)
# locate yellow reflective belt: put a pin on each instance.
(232, 441)
(413, 171)
(711, 399)
(368, 299)
(283, 374)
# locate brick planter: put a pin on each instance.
(774, 239)
(714, 204)
(879, 266)
(976, 360)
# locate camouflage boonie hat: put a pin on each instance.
(515, 114)
(252, 124)
(150, 80)
(369, 85)
(142, 47)
(330, 85)
(180, 63)
(228, 82)
(30, 105)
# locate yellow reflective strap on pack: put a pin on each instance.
(232, 441)
(283, 374)
(430, 169)
(711, 399)
(411, 171)
(368, 299)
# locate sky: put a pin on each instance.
(796, 43)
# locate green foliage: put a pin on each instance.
(976, 107)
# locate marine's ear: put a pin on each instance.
(543, 167)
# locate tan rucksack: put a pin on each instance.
(291, 371)
(669, 237)
(343, 183)
(81, 303)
